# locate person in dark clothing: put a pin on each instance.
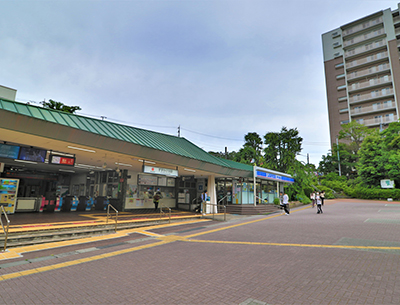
(156, 200)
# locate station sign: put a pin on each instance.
(62, 160)
(269, 176)
(160, 171)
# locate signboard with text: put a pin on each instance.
(62, 160)
(160, 171)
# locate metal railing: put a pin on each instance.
(109, 215)
(5, 230)
(204, 203)
(163, 213)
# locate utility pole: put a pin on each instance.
(338, 157)
(308, 158)
(179, 131)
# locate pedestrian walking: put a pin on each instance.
(312, 197)
(156, 200)
(322, 195)
(319, 204)
(285, 203)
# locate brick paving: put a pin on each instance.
(303, 258)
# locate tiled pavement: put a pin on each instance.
(348, 255)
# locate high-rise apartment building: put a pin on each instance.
(362, 71)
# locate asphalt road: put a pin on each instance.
(350, 254)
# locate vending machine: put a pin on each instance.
(8, 194)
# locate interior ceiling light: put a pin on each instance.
(189, 170)
(123, 164)
(150, 162)
(83, 149)
(85, 166)
(66, 170)
(23, 161)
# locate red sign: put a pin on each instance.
(62, 160)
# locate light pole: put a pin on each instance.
(338, 157)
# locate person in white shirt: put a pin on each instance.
(319, 204)
(285, 203)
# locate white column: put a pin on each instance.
(254, 185)
(212, 193)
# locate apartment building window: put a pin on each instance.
(368, 46)
(357, 97)
(374, 93)
(387, 104)
(360, 121)
(385, 91)
(372, 69)
(357, 109)
(381, 67)
(344, 122)
(378, 118)
(389, 117)
(355, 86)
(372, 81)
(376, 106)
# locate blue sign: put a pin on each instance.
(274, 177)
(9, 151)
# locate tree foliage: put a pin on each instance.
(51, 104)
(380, 156)
(281, 149)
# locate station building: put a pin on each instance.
(56, 161)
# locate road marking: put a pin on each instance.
(78, 261)
(291, 245)
(241, 224)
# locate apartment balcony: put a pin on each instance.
(369, 85)
(378, 121)
(367, 60)
(364, 37)
(367, 72)
(362, 26)
(396, 19)
(361, 98)
(369, 48)
(371, 109)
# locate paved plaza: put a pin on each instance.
(350, 254)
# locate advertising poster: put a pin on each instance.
(8, 194)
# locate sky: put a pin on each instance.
(215, 69)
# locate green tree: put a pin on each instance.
(380, 156)
(282, 148)
(252, 150)
(51, 104)
(354, 133)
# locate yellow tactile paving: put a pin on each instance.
(16, 252)
(79, 224)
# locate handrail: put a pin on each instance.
(8, 225)
(109, 216)
(163, 213)
(205, 208)
(222, 199)
(262, 200)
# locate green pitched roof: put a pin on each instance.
(158, 141)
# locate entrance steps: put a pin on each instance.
(250, 209)
(35, 236)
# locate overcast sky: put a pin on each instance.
(218, 69)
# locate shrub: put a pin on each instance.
(277, 201)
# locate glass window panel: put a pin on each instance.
(47, 115)
(23, 109)
(9, 106)
(67, 119)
